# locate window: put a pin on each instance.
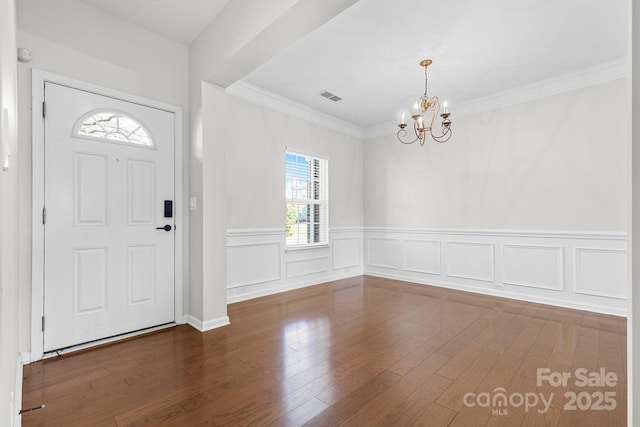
(113, 127)
(306, 200)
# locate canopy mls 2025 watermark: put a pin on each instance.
(500, 401)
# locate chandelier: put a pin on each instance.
(418, 110)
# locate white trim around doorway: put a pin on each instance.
(38, 80)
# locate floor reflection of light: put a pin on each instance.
(304, 354)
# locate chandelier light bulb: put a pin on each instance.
(445, 105)
(415, 109)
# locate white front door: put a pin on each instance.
(109, 191)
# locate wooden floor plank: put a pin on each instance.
(378, 408)
(336, 413)
(363, 351)
(302, 414)
(412, 409)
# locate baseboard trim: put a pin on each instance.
(504, 294)
(289, 287)
(16, 399)
(207, 325)
(25, 357)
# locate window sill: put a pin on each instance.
(306, 247)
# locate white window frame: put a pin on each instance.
(106, 138)
(322, 202)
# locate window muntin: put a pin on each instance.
(306, 193)
(113, 126)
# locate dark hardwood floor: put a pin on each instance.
(357, 352)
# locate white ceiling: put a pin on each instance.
(180, 20)
(369, 54)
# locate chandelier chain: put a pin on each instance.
(426, 84)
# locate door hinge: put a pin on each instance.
(44, 109)
(44, 216)
(42, 323)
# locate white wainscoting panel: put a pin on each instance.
(581, 270)
(422, 256)
(533, 266)
(347, 252)
(471, 260)
(259, 264)
(383, 252)
(307, 266)
(251, 263)
(601, 272)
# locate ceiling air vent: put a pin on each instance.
(330, 96)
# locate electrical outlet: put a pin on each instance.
(499, 286)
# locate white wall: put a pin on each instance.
(557, 163)
(231, 46)
(10, 371)
(256, 139)
(633, 322)
(528, 201)
(72, 39)
(253, 140)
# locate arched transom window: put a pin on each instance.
(113, 126)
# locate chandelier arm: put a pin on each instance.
(420, 134)
(434, 104)
(441, 139)
(403, 133)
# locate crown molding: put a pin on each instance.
(270, 100)
(594, 75)
(382, 129)
(591, 76)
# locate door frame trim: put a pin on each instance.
(38, 79)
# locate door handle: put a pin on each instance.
(165, 228)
